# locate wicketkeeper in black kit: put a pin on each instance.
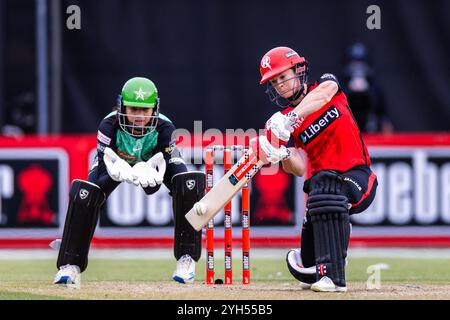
(135, 145)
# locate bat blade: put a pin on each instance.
(225, 189)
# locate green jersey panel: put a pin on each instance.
(134, 150)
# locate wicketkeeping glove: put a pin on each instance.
(118, 169)
(150, 173)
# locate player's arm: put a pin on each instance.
(294, 164)
(319, 97)
(111, 166)
(280, 126)
(105, 138)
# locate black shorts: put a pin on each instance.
(360, 187)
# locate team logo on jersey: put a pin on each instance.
(171, 147)
(190, 184)
(140, 94)
(320, 124)
(84, 194)
(138, 146)
(265, 62)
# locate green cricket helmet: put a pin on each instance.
(139, 93)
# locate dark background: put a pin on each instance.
(204, 56)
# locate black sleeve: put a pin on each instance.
(166, 143)
(105, 138)
(329, 77)
(174, 161)
(106, 135)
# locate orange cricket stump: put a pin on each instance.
(209, 165)
(227, 164)
(228, 158)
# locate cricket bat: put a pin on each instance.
(225, 189)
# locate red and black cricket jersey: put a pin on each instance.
(330, 136)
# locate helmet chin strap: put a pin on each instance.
(297, 95)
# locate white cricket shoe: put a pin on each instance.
(68, 276)
(325, 284)
(185, 271)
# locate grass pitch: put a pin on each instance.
(151, 279)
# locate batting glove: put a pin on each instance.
(281, 126)
(268, 153)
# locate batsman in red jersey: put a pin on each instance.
(319, 120)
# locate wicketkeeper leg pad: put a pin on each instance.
(187, 189)
(85, 202)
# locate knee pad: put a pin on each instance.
(85, 202)
(327, 182)
(187, 189)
